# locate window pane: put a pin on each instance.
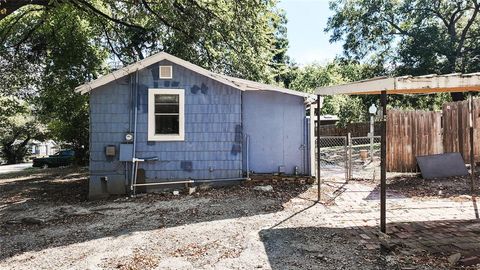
(166, 99)
(166, 124)
(160, 108)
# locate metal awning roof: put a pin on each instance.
(455, 82)
(241, 84)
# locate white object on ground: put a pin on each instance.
(267, 188)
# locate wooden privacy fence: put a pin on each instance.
(410, 134)
(456, 131)
(355, 129)
(418, 133)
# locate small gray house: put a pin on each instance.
(164, 121)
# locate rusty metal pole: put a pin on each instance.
(472, 146)
(319, 181)
(349, 157)
(383, 164)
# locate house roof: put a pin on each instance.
(455, 82)
(241, 84)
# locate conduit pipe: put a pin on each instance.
(134, 165)
(192, 181)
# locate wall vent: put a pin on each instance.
(166, 72)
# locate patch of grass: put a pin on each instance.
(33, 171)
(23, 173)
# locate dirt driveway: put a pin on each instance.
(46, 223)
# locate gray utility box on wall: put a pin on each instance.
(126, 152)
(110, 151)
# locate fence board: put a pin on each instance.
(355, 129)
(418, 133)
(411, 134)
(456, 134)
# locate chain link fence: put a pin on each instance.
(345, 157)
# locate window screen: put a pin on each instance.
(167, 114)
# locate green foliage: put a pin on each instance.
(245, 39)
(412, 37)
(308, 78)
(72, 58)
(17, 128)
(348, 108)
(431, 102)
(9, 107)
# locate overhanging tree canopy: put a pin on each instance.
(245, 39)
(47, 47)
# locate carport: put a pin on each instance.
(384, 86)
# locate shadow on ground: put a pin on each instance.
(317, 248)
(420, 245)
(57, 197)
(63, 185)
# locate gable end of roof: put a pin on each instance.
(241, 84)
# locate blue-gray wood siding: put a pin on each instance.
(213, 131)
(275, 123)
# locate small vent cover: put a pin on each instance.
(166, 72)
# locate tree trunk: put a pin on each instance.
(14, 154)
(8, 153)
(452, 68)
(81, 156)
(457, 96)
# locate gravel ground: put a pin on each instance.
(46, 223)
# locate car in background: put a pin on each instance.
(61, 158)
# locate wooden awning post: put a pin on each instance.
(472, 144)
(383, 164)
(319, 181)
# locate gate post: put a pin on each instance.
(345, 148)
(348, 162)
(472, 145)
(383, 162)
(319, 179)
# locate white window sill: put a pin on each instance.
(165, 138)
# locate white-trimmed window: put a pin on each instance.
(166, 114)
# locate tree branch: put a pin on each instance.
(398, 28)
(27, 36)
(111, 45)
(102, 14)
(7, 7)
(211, 13)
(7, 30)
(164, 21)
(467, 27)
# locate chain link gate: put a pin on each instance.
(349, 157)
(333, 157)
(364, 158)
